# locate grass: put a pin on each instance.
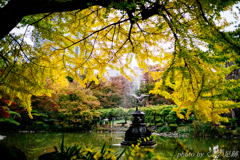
(183, 128)
(118, 121)
(121, 121)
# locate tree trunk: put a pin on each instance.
(112, 122)
(10, 15)
(13, 12)
(154, 119)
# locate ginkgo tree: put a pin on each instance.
(75, 38)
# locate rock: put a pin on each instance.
(155, 134)
(2, 137)
(48, 156)
(235, 133)
(11, 153)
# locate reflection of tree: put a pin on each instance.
(169, 148)
(33, 145)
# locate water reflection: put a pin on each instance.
(197, 148)
(35, 144)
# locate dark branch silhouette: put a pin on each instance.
(14, 11)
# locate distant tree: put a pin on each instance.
(8, 110)
(152, 113)
(147, 78)
(112, 93)
(77, 103)
(46, 103)
(68, 104)
(148, 84)
(127, 87)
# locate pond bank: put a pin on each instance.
(234, 134)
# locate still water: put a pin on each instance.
(36, 144)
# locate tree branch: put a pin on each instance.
(13, 12)
(215, 28)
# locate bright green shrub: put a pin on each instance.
(164, 129)
(173, 127)
(160, 124)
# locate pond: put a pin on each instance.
(36, 144)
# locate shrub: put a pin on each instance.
(191, 119)
(233, 121)
(221, 131)
(181, 132)
(39, 123)
(159, 120)
(173, 127)
(189, 129)
(171, 121)
(238, 129)
(46, 127)
(164, 129)
(99, 129)
(226, 123)
(160, 124)
(181, 124)
(201, 129)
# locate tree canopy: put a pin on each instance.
(75, 38)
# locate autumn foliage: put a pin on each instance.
(84, 40)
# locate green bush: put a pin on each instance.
(201, 129)
(181, 132)
(173, 127)
(164, 129)
(233, 121)
(191, 119)
(46, 127)
(159, 120)
(39, 123)
(171, 121)
(238, 129)
(221, 131)
(226, 123)
(100, 129)
(160, 124)
(181, 124)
